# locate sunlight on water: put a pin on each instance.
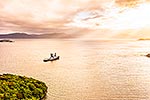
(87, 70)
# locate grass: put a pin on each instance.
(14, 87)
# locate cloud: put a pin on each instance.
(72, 17)
(44, 16)
(127, 3)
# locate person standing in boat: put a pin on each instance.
(51, 55)
(55, 54)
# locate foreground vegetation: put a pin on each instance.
(14, 87)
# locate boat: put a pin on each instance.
(51, 59)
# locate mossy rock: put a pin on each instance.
(148, 55)
(14, 87)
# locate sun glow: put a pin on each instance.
(116, 18)
(133, 18)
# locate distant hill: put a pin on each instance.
(144, 39)
(34, 36)
(140, 34)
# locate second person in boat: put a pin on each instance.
(55, 55)
(51, 55)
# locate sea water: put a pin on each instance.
(86, 70)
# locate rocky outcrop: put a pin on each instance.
(148, 55)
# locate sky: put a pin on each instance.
(77, 18)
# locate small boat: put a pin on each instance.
(51, 59)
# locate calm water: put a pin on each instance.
(87, 70)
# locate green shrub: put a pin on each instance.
(15, 87)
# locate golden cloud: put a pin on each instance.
(129, 3)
